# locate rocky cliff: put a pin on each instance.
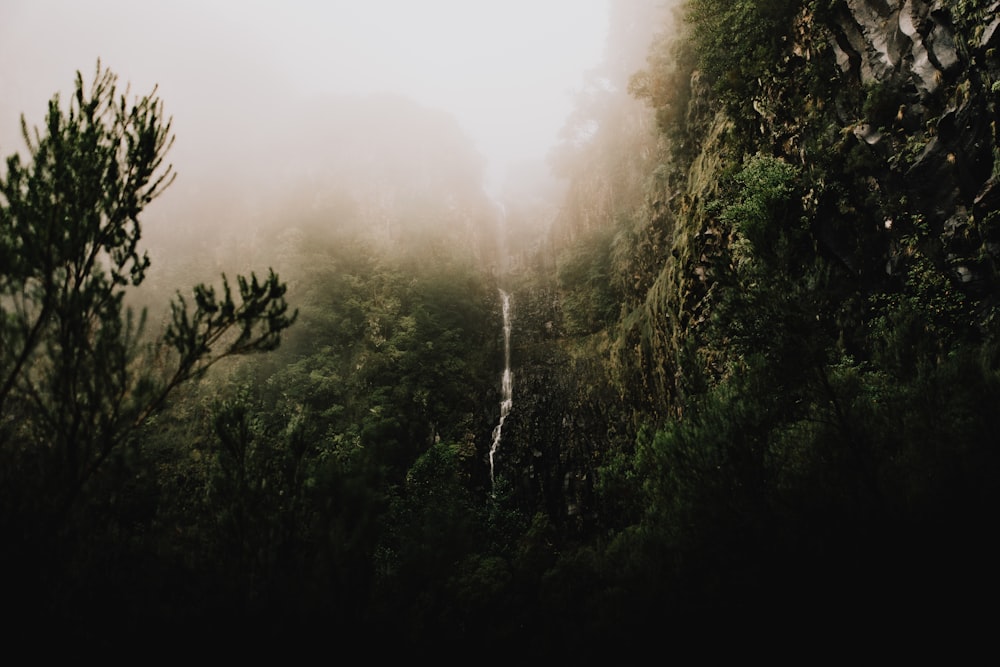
(821, 203)
(933, 128)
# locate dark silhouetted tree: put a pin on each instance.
(78, 375)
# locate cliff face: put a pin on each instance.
(886, 110)
(824, 213)
(935, 133)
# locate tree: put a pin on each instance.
(78, 374)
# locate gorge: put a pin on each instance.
(750, 301)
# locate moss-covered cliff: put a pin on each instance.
(793, 320)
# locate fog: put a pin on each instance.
(343, 112)
(230, 73)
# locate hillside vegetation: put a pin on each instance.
(755, 357)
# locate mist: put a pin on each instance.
(292, 119)
(236, 77)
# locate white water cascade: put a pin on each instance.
(506, 384)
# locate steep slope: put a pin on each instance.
(887, 112)
(794, 348)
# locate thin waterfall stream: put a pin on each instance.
(506, 384)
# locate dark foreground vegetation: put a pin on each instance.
(756, 362)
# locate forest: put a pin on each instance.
(754, 352)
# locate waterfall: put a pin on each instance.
(506, 383)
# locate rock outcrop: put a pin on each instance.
(939, 147)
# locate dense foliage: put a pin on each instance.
(755, 362)
(80, 379)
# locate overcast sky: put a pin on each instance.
(506, 69)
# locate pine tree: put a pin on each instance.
(79, 375)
